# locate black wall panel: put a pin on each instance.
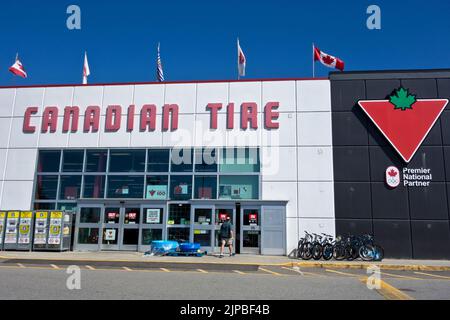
(351, 164)
(352, 200)
(381, 89)
(345, 94)
(353, 226)
(408, 221)
(394, 236)
(422, 88)
(349, 128)
(389, 203)
(445, 127)
(427, 203)
(431, 239)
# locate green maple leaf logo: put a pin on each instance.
(401, 99)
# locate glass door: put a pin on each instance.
(130, 228)
(152, 225)
(250, 230)
(88, 225)
(112, 227)
(203, 226)
(220, 215)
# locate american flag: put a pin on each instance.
(159, 69)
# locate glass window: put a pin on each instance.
(179, 214)
(44, 206)
(112, 215)
(130, 236)
(206, 160)
(158, 160)
(157, 187)
(180, 187)
(153, 216)
(73, 160)
(96, 160)
(181, 160)
(94, 187)
(239, 160)
(239, 187)
(46, 187)
(205, 187)
(90, 215)
(67, 206)
(203, 237)
(125, 187)
(70, 187)
(49, 161)
(149, 235)
(222, 214)
(132, 215)
(202, 216)
(88, 236)
(251, 217)
(127, 161)
(178, 234)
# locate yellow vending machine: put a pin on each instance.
(25, 233)
(11, 230)
(2, 228)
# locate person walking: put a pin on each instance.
(226, 236)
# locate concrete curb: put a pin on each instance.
(404, 267)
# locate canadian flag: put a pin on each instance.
(17, 68)
(241, 60)
(327, 60)
(86, 71)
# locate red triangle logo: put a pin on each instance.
(404, 127)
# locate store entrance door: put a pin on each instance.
(120, 229)
(250, 230)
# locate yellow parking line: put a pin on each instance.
(21, 265)
(90, 267)
(164, 269)
(126, 269)
(271, 272)
(391, 293)
(54, 266)
(344, 273)
(433, 275)
(239, 272)
(400, 276)
(202, 271)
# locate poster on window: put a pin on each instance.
(40, 228)
(153, 216)
(181, 189)
(12, 222)
(25, 227)
(2, 225)
(110, 234)
(156, 192)
(54, 231)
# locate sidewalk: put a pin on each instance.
(105, 257)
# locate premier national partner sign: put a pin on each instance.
(148, 117)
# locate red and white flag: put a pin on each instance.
(327, 60)
(86, 71)
(18, 69)
(241, 61)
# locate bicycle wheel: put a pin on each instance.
(367, 252)
(327, 252)
(306, 251)
(317, 251)
(349, 253)
(378, 253)
(338, 252)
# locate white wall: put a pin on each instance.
(297, 158)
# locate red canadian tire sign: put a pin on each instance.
(404, 120)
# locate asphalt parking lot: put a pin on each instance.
(48, 280)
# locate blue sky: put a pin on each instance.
(198, 38)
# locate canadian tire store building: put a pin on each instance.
(360, 152)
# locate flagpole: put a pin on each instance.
(239, 76)
(313, 64)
